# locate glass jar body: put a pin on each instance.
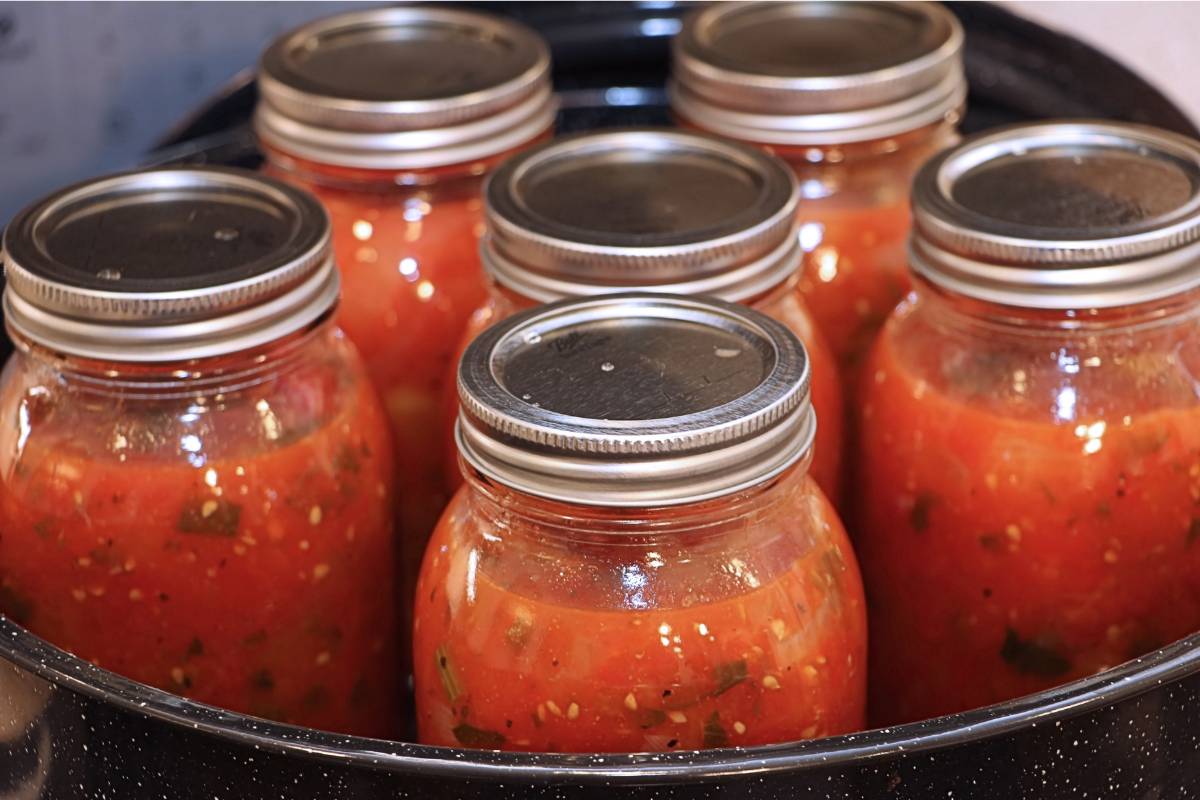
(783, 304)
(544, 626)
(854, 221)
(407, 247)
(1029, 484)
(221, 528)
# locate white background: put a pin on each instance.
(1159, 40)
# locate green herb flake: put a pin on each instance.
(651, 718)
(15, 605)
(1193, 532)
(315, 698)
(992, 542)
(195, 648)
(478, 738)
(262, 680)
(518, 634)
(44, 528)
(729, 675)
(210, 517)
(923, 505)
(1150, 443)
(446, 672)
(347, 460)
(715, 734)
(1032, 658)
(256, 638)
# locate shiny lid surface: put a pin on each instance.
(818, 72)
(404, 87)
(634, 400)
(1061, 215)
(656, 209)
(168, 264)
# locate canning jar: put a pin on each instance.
(1031, 427)
(195, 472)
(657, 210)
(638, 560)
(855, 96)
(392, 117)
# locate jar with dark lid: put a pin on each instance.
(392, 117)
(1030, 452)
(195, 472)
(655, 210)
(639, 560)
(855, 96)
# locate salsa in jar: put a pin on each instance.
(195, 472)
(393, 117)
(657, 210)
(638, 560)
(855, 97)
(1030, 444)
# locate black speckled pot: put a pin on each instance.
(70, 730)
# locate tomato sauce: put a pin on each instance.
(506, 661)
(1008, 549)
(196, 474)
(1029, 458)
(402, 112)
(854, 229)
(649, 577)
(253, 580)
(855, 98)
(410, 280)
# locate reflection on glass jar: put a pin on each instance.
(638, 560)
(26, 755)
(195, 450)
(855, 96)
(659, 210)
(1031, 427)
(393, 117)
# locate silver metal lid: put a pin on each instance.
(408, 87)
(635, 400)
(653, 209)
(1063, 215)
(818, 73)
(167, 265)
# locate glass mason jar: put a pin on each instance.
(392, 117)
(195, 472)
(855, 97)
(657, 210)
(639, 560)
(1030, 445)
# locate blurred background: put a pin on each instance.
(88, 87)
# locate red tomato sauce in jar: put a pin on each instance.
(405, 318)
(194, 503)
(395, 133)
(659, 209)
(1030, 474)
(816, 84)
(616, 603)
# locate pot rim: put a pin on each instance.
(1132, 678)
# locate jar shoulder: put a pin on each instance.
(643, 562)
(1035, 374)
(191, 420)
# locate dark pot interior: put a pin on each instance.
(70, 730)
